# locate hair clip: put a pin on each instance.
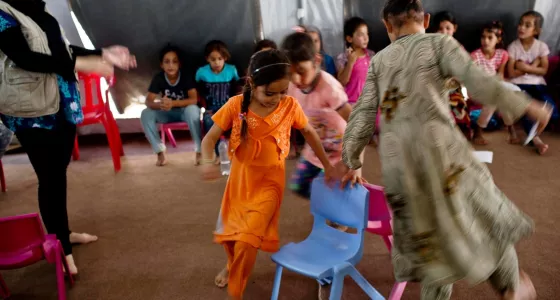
(243, 116)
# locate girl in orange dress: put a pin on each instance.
(260, 119)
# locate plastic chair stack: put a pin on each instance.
(24, 243)
(100, 112)
(379, 223)
(327, 252)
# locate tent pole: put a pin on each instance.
(258, 30)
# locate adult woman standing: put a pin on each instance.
(40, 101)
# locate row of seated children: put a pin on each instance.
(173, 95)
(524, 63)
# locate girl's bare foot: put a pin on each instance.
(221, 279)
(540, 145)
(71, 265)
(197, 159)
(82, 238)
(525, 290)
(217, 161)
(161, 160)
(293, 153)
(478, 136)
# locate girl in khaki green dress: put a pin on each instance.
(450, 221)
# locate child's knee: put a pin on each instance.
(148, 115)
(192, 112)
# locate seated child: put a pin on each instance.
(527, 66)
(171, 98)
(324, 102)
(265, 45)
(445, 23)
(450, 221)
(492, 58)
(327, 62)
(260, 121)
(217, 81)
(353, 64)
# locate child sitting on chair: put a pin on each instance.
(171, 98)
(217, 82)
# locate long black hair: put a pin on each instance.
(265, 67)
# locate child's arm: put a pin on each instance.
(503, 65)
(344, 111)
(513, 72)
(150, 101)
(346, 70)
(208, 143)
(538, 67)
(312, 138)
(192, 99)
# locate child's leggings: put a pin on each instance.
(538, 92)
(241, 260)
(506, 277)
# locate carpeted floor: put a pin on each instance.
(155, 227)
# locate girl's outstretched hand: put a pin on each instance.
(210, 172)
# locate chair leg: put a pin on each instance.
(277, 280)
(336, 287)
(60, 274)
(116, 131)
(113, 146)
(76, 150)
(171, 137)
(388, 239)
(2, 177)
(4, 291)
(397, 291)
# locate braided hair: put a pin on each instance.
(265, 67)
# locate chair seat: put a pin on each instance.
(22, 259)
(91, 117)
(303, 257)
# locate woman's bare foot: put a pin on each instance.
(540, 145)
(525, 290)
(71, 265)
(161, 160)
(512, 136)
(197, 159)
(82, 238)
(221, 279)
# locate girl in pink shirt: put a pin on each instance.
(492, 58)
(352, 65)
(527, 66)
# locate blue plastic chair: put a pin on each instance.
(328, 253)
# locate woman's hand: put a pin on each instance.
(94, 64)
(540, 113)
(210, 171)
(120, 57)
(341, 173)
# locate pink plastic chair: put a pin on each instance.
(24, 243)
(380, 223)
(2, 178)
(166, 130)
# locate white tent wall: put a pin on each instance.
(551, 12)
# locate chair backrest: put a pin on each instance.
(20, 234)
(90, 89)
(378, 209)
(348, 206)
